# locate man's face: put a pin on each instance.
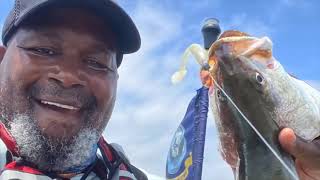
(61, 74)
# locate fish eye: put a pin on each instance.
(220, 95)
(259, 78)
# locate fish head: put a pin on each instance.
(242, 65)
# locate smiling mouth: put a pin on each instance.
(58, 105)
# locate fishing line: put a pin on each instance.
(256, 130)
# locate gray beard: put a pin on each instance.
(50, 154)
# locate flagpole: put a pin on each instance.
(185, 157)
(210, 31)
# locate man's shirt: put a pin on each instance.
(19, 174)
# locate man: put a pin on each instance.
(58, 82)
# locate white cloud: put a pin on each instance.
(248, 24)
(148, 108)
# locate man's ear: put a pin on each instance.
(2, 52)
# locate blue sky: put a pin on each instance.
(149, 108)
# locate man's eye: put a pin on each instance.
(43, 51)
(98, 66)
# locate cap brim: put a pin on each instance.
(127, 34)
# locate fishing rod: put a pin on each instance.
(210, 32)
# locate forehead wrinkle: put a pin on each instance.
(28, 35)
(88, 41)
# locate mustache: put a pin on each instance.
(55, 91)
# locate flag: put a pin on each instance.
(185, 157)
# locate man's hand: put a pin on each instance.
(307, 155)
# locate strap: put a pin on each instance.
(119, 160)
(13, 174)
(8, 140)
(126, 174)
(17, 167)
(138, 173)
(111, 162)
(134, 170)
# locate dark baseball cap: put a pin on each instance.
(128, 36)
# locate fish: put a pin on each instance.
(246, 71)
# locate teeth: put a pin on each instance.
(60, 105)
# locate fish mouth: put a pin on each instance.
(237, 53)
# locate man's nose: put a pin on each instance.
(67, 77)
